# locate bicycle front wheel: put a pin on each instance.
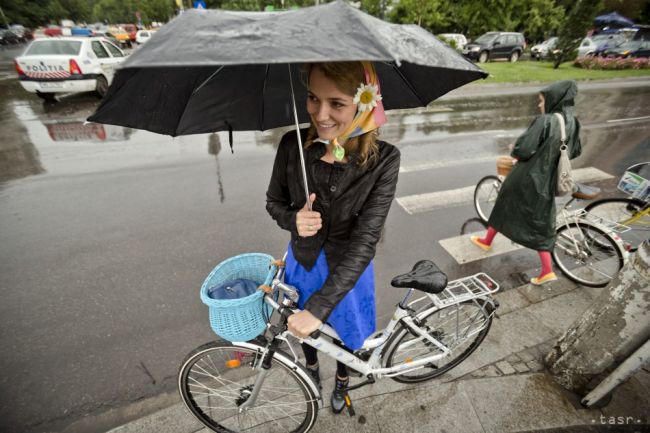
(218, 378)
(587, 255)
(629, 212)
(485, 195)
(460, 327)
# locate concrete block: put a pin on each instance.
(560, 312)
(527, 355)
(505, 367)
(535, 294)
(511, 300)
(509, 334)
(526, 402)
(535, 365)
(521, 367)
(431, 407)
(513, 358)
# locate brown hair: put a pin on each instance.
(346, 76)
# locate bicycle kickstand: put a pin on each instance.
(348, 404)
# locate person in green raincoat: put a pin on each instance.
(525, 208)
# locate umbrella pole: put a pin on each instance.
(302, 156)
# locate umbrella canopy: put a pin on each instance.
(214, 70)
(613, 19)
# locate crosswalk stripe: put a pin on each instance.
(442, 164)
(463, 251)
(426, 202)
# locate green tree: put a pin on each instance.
(430, 14)
(56, 11)
(579, 19)
(30, 14)
(631, 9)
(541, 19)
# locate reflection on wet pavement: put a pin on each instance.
(54, 138)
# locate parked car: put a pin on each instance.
(495, 45)
(634, 48)
(7, 37)
(131, 29)
(122, 36)
(598, 44)
(68, 64)
(143, 36)
(459, 39)
(544, 50)
(81, 31)
(109, 37)
(53, 30)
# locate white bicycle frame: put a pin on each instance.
(472, 288)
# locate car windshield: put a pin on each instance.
(486, 38)
(57, 47)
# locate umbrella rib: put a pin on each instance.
(207, 79)
(261, 117)
(408, 84)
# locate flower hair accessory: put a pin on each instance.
(370, 112)
(367, 97)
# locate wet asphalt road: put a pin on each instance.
(106, 233)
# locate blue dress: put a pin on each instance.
(354, 317)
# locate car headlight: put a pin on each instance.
(626, 52)
(475, 49)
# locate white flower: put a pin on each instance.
(367, 97)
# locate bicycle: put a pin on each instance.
(588, 248)
(632, 211)
(258, 386)
(487, 189)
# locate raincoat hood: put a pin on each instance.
(559, 96)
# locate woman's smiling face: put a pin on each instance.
(331, 110)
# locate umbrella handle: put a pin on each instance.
(302, 156)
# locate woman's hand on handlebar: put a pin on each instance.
(302, 324)
(308, 222)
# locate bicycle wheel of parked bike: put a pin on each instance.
(217, 379)
(628, 212)
(587, 254)
(461, 328)
(485, 195)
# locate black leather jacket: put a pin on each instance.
(353, 218)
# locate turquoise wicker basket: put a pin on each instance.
(244, 318)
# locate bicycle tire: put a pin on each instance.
(481, 319)
(216, 378)
(620, 210)
(595, 262)
(485, 195)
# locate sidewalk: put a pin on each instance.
(500, 388)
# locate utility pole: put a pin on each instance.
(613, 328)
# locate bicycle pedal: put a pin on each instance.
(348, 405)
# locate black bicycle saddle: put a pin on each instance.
(425, 276)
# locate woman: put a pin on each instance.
(525, 208)
(352, 178)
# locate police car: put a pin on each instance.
(68, 64)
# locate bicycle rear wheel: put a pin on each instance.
(217, 379)
(587, 254)
(628, 212)
(485, 195)
(461, 328)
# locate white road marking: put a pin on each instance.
(628, 119)
(426, 202)
(464, 251)
(441, 164)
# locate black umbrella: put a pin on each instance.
(613, 19)
(215, 70)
